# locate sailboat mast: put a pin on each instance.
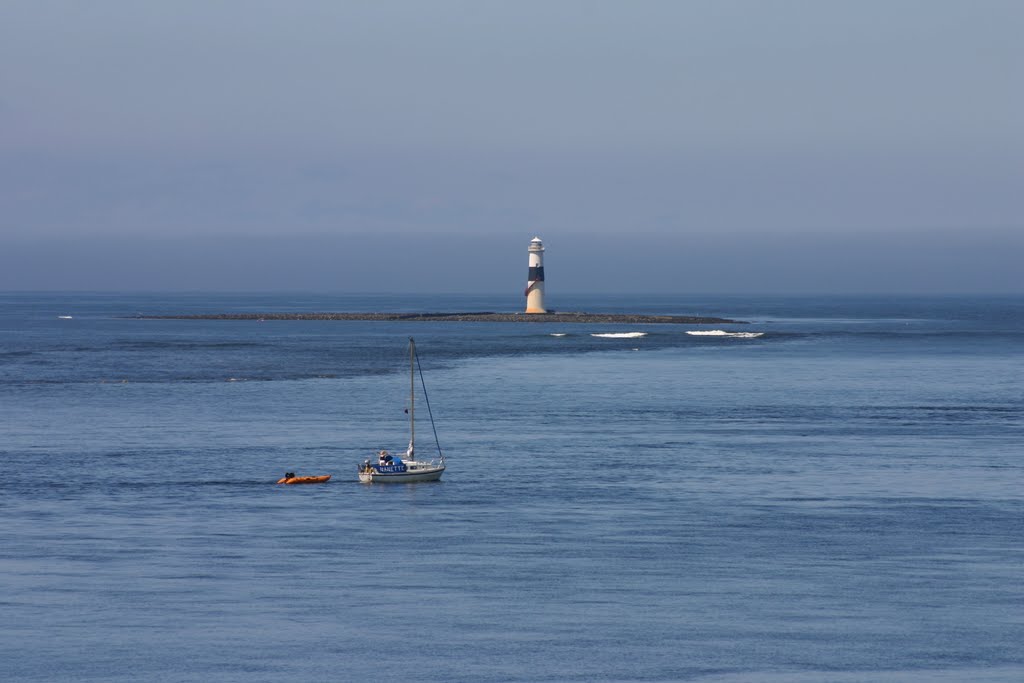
(412, 393)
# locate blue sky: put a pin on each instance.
(418, 146)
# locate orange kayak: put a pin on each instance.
(304, 480)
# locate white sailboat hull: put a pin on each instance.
(415, 471)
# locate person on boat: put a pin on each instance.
(289, 475)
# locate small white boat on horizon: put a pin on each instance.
(393, 469)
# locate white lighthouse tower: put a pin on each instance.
(535, 280)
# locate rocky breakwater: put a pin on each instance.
(477, 317)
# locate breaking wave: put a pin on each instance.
(619, 335)
(723, 333)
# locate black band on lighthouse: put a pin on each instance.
(536, 274)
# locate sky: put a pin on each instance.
(394, 146)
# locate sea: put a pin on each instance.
(831, 490)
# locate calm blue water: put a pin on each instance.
(841, 499)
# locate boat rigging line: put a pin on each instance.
(426, 399)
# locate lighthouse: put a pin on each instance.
(535, 280)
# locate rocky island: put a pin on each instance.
(473, 317)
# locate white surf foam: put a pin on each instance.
(723, 333)
(64, 317)
(618, 335)
(558, 334)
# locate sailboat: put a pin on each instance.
(390, 468)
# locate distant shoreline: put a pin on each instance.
(477, 317)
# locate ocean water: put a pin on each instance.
(839, 499)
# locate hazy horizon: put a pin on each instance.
(399, 146)
(573, 265)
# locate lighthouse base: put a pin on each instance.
(536, 310)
